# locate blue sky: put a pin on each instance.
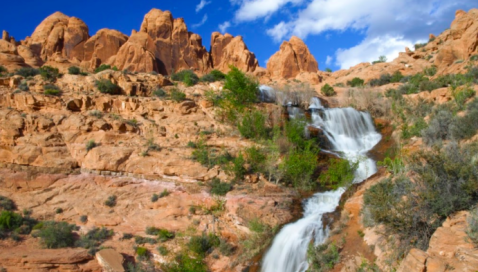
(339, 33)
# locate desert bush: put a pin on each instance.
(7, 204)
(164, 193)
(219, 188)
(472, 229)
(49, 73)
(465, 127)
(420, 45)
(414, 130)
(462, 95)
(445, 182)
(90, 145)
(184, 262)
(83, 218)
(214, 75)
(73, 70)
(394, 166)
(56, 234)
(386, 79)
(260, 237)
(430, 71)
(23, 86)
(188, 77)
(93, 239)
(256, 158)
(58, 210)
(159, 93)
(27, 72)
(106, 86)
(253, 125)
(328, 70)
(355, 82)
(10, 220)
(340, 173)
(209, 156)
(139, 240)
(438, 128)
(104, 67)
(96, 113)
(51, 89)
(322, 257)
(154, 197)
(381, 59)
(142, 252)
(163, 251)
(327, 90)
(202, 245)
(177, 95)
(111, 201)
(3, 70)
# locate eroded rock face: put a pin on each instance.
(137, 54)
(461, 40)
(228, 50)
(293, 58)
(59, 35)
(175, 48)
(102, 46)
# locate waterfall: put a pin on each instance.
(351, 134)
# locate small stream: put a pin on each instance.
(351, 135)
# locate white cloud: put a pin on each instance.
(204, 19)
(370, 50)
(387, 26)
(329, 60)
(251, 10)
(202, 4)
(224, 26)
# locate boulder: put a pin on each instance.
(110, 260)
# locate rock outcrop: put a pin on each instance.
(102, 46)
(59, 36)
(175, 47)
(228, 50)
(292, 59)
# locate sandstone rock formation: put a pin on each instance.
(175, 47)
(59, 36)
(137, 54)
(228, 50)
(102, 46)
(110, 260)
(293, 58)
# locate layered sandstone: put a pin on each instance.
(292, 59)
(228, 50)
(102, 46)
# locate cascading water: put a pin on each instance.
(351, 134)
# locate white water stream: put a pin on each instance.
(351, 134)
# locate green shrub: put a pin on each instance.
(210, 157)
(381, 59)
(111, 201)
(241, 89)
(49, 73)
(96, 113)
(83, 218)
(142, 252)
(159, 92)
(58, 210)
(10, 220)
(188, 77)
(256, 158)
(50, 89)
(328, 70)
(90, 145)
(467, 126)
(163, 251)
(438, 128)
(103, 67)
(202, 245)
(430, 71)
(106, 86)
(127, 236)
(214, 75)
(3, 71)
(56, 234)
(238, 169)
(472, 229)
(299, 165)
(93, 239)
(340, 173)
(393, 165)
(355, 82)
(23, 86)
(154, 197)
(144, 240)
(420, 45)
(323, 257)
(415, 130)
(461, 96)
(164, 193)
(27, 72)
(73, 70)
(327, 90)
(7, 204)
(184, 262)
(177, 95)
(220, 188)
(444, 182)
(253, 125)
